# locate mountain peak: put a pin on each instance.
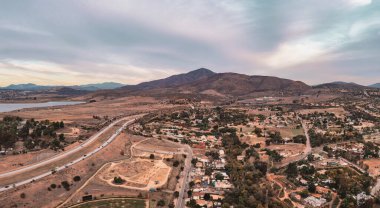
(202, 71)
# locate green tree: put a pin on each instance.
(161, 203)
(292, 170)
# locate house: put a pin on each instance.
(223, 184)
(315, 202)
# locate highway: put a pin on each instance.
(65, 154)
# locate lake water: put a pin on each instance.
(6, 107)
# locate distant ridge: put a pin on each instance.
(28, 86)
(341, 85)
(87, 87)
(377, 85)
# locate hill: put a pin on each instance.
(26, 87)
(172, 81)
(239, 84)
(99, 86)
(87, 87)
(206, 83)
(341, 85)
(377, 85)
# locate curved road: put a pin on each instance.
(65, 154)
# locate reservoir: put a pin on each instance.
(6, 107)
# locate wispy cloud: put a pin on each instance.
(133, 41)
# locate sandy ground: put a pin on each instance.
(141, 174)
(85, 112)
(253, 139)
(339, 112)
(288, 151)
(153, 144)
(373, 166)
(101, 188)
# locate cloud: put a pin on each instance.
(132, 41)
(359, 2)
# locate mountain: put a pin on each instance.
(172, 81)
(241, 84)
(204, 82)
(25, 87)
(66, 91)
(377, 85)
(341, 85)
(99, 86)
(87, 87)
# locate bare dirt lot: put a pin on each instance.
(373, 166)
(142, 174)
(136, 170)
(289, 131)
(339, 112)
(288, 151)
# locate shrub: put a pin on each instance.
(65, 185)
(161, 203)
(118, 180)
(176, 163)
(76, 178)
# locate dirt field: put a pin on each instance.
(84, 113)
(289, 131)
(133, 168)
(373, 166)
(142, 174)
(153, 144)
(288, 151)
(253, 139)
(339, 112)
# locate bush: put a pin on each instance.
(22, 195)
(53, 186)
(76, 178)
(161, 203)
(118, 180)
(176, 163)
(65, 185)
(207, 196)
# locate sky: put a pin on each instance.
(68, 42)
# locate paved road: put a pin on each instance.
(65, 154)
(185, 183)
